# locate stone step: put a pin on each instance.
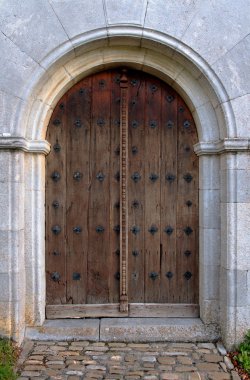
(126, 330)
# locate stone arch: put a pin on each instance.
(172, 62)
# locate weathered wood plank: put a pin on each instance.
(158, 310)
(83, 311)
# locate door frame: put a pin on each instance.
(196, 84)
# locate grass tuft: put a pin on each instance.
(242, 356)
(8, 357)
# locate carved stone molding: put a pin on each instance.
(23, 144)
(222, 146)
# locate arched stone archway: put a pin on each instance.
(188, 73)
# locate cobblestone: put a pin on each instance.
(121, 361)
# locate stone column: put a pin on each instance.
(22, 283)
(235, 246)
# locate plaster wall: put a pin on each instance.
(199, 47)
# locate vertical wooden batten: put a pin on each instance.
(123, 193)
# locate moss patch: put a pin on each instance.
(8, 357)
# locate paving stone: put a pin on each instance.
(208, 367)
(223, 366)
(219, 376)
(185, 368)
(184, 360)
(118, 360)
(221, 348)
(212, 358)
(235, 375)
(166, 360)
(169, 376)
(228, 363)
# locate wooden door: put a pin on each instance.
(121, 200)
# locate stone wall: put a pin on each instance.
(202, 49)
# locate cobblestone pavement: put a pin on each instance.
(128, 361)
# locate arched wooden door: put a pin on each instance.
(121, 200)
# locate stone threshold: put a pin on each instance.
(125, 330)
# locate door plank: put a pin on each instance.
(55, 206)
(136, 190)
(83, 311)
(169, 284)
(163, 310)
(99, 200)
(152, 190)
(77, 185)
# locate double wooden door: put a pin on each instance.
(121, 200)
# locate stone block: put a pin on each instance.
(156, 329)
(233, 289)
(82, 17)
(233, 68)
(8, 108)
(11, 205)
(125, 12)
(35, 172)
(207, 116)
(209, 284)
(161, 15)
(203, 33)
(209, 172)
(235, 186)
(209, 204)
(16, 67)
(10, 247)
(240, 160)
(83, 329)
(11, 166)
(32, 26)
(243, 237)
(209, 310)
(242, 115)
(234, 325)
(209, 246)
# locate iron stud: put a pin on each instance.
(188, 177)
(153, 124)
(189, 203)
(153, 177)
(78, 123)
(117, 228)
(99, 229)
(134, 82)
(153, 275)
(76, 276)
(77, 230)
(170, 98)
(55, 204)
(55, 276)
(188, 230)
(153, 229)
(135, 204)
(56, 229)
(135, 124)
(187, 253)
(170, 124)
(134, 150)
(77, 176)
(135, 253)
(169, 230)
(186, 124)
(170, 177)
(135, 230)
(56, 122)
(169, 275)
(187, 275)
(100, 176)
(153, 88)
(55, 176)
(100, 122)
(136, 177)
(117, 276)
(57, 148)
(117, 252)
(117, 176)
